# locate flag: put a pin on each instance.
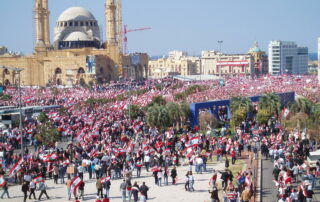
(193, 142)
(75, 183)
(286, 112)
(188, 152)
(38, 179)
(166, 152)
(50, 157)
(2, 181)
(154, 169)
(105, 179)
(139, 164)
(16, 168)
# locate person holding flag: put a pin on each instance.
(43, 187)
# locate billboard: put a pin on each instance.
(91, 64)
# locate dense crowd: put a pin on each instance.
(108, 145)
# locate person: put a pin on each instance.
(144, 191)
(129, 187)
(99, 187)
(135, 192)
(224, 178)
(147, 162)
(173, 175)
(24, 189)
(159, 175)
(55, 174)
(214, 194)
(191, 181)
(123, 187)
(42, 187)
(245, 195)
(32, 187)
(106, 186)
(186, 185)
(227, 162)
(81, 190)
(165, 175)
(68, 183)
(5, 189)
(213, 179)
(232, 195)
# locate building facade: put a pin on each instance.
(260, 60)
(178, 63)
(216, 63)
(285, 57)
(77, 54)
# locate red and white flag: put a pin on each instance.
(38, 179)
(139, 164)
(193, 142)
(50, 157)
(154, 169)
(166, 152)
(16, 168)
(286, 112)
(188, 152)
(105, 179)
(2, 181)
(75, 183)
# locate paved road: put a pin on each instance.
(268, 191)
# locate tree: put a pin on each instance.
(302, 105)
(157, 116)
(241, 102)
(270, 102)
(185, 112)
(207, 119)
(43, 117)
(47, 134)
(238, 117)
(263, 116)
(174, 113)
(133, 111)
(158, 100)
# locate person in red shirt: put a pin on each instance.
(233, 156)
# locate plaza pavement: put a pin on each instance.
(171, 193)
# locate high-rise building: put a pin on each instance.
(285, 57)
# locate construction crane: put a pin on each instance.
(125, 31)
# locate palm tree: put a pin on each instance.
(241, 103)
(303, 105)
(174, 113)
(316, 113)
(270, 102)
(152, 115)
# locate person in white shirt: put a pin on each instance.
(147, 162)
(160, 175)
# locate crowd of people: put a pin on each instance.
(108, 145)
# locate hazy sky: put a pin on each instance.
(189, 25)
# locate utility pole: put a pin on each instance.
(18, 70)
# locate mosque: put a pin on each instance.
(77, 54)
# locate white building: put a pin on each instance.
(285, 57)
(216, 63)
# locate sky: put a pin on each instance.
(188, 25)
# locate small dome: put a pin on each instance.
(77, 36)
(76, 13)
(255, 50)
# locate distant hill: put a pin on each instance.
(313, 56)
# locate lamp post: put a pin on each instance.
(220, 42)
(18, 70)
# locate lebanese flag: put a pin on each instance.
(248, 181)
(105, 179)
(286, 113)
(29, 100)
(75, 183)
(166, 152)
(130, 147)
(50, 157)
(2, 182)
(193, 142)
(188, 152)
(66, 162)
(154, 169)
(159, 144)
(38, 179)
(16, 168)
(182, 138)
(134, 188)
(139, 164)
(149, 150)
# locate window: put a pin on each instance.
(65, 24)
(91, 24)
(87, 23)
(70, 24)
(76, 23)
(81, 23)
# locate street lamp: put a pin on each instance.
(18, 70)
